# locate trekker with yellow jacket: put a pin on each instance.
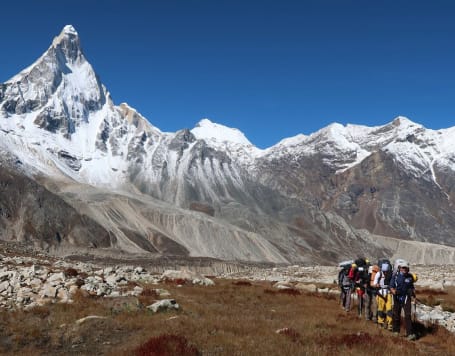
(384, 298)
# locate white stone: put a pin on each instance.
(137, 291)
(90, 317)
(56, 278)
(5, 275)
(306, 287)
(3, 286)
(139, 270)
(162, 292)
(48, 291)
(163, 305)
(63, 294)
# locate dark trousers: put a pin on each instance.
(405, 304)
(371, 305)
(346, 298)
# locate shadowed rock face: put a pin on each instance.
(29, 212)
(377, 195)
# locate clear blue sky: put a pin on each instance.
(272, 69)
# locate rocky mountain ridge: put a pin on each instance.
(208, 191)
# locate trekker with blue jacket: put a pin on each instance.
(402, 288)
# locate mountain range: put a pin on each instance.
(82, 175)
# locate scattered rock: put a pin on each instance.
(163, 305)
(185, 275)
(90, 317)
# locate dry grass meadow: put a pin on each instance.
(231, 318)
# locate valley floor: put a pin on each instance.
(236, 316)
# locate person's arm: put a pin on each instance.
(413, 290)
(392, 284)
(376, 280)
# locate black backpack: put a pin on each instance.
(360, 262)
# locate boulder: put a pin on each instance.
(163, 305)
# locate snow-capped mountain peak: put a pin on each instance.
(210, 131)
(69, 29)
(65, 48)
(68, 32)
(403, 121)
(58, 91)
(69, 43)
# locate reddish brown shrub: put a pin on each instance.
(242, 283)
(166, 345)
(41, 311)
(177, 281)
(428, 292)
(148, 296)
(360, 338)
(83, 275)
(147, 292)
(70, 272)
(293, 292)
(290, 333)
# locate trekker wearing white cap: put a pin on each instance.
(402, 288)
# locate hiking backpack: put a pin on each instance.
(388, 274)
(343, 279)
(374, 269)
(360, 262)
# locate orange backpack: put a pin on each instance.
(374, 270)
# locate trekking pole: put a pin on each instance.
(352, 299)
(360, 303)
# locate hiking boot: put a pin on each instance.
(411, 337)
(396, 333)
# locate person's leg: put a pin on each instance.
(389, 312)
(381, 310)
(347, 306)
(407, 316)
(374, 308)
(368, 305)
(396, 315)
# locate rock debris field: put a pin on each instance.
(30, 281)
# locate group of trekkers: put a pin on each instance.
(383, 291)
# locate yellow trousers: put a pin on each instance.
(385, 309)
